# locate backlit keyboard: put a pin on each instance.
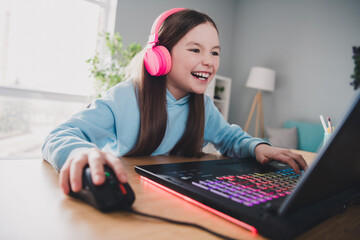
(252, 189)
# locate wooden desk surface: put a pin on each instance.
(32, 206)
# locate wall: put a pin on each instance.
(135, 18)
(309, 44)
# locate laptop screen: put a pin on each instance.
(336, 168)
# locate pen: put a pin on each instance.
(323, 122)
(329, 123)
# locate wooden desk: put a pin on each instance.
(32, 206)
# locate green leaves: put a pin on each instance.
(130, 52)
(108, 68)
(114, 44)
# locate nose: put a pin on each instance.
(207, 60)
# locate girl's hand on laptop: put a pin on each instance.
(265, 153)
(71, 172)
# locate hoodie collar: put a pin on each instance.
(171, 100)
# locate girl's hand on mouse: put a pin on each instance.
(265, 153)
(71, 172)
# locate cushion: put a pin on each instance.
(310, 135)
(283, 137)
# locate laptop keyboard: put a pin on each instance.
(252, 189)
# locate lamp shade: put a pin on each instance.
(261, 78)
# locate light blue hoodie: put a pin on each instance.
(112, 124)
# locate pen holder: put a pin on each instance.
(327, 136)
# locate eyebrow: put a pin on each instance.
(198, 44)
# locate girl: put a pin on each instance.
(164, 112)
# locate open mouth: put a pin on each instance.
(201, 75)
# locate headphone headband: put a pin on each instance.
(157, 59)
(153, 38)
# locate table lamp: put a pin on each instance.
(262, 79)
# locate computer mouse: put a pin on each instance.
(108, 197)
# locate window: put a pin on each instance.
(44, 77)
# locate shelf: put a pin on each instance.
(223, 103)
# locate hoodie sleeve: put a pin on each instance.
(99, 126)
(89, 128)
(230, 140)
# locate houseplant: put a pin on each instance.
(356, 75)
(108, 69)
(218, 92)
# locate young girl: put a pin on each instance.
(165, 112)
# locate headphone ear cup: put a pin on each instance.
(157, 61)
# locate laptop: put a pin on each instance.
(273, 200)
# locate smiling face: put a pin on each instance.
(195, 60)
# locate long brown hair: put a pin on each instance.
(152, 96)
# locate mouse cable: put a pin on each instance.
(180, 223)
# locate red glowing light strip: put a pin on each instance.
(207, 208)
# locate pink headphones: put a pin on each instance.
(157, 58)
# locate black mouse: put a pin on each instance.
(108, 197)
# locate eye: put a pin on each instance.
(195, 50)
(215, 53)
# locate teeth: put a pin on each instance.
(201, 75)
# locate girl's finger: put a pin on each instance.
(64, 177)
(298, 159)
(118, 167)
(289, 161)
(96, 163)
(76, 169)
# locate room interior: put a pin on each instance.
(309, 46)
(307, 43)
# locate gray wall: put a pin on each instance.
(307, 42)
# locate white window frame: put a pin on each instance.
(107, 24)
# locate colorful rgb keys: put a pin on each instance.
(252, 189)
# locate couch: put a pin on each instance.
(300, 135)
